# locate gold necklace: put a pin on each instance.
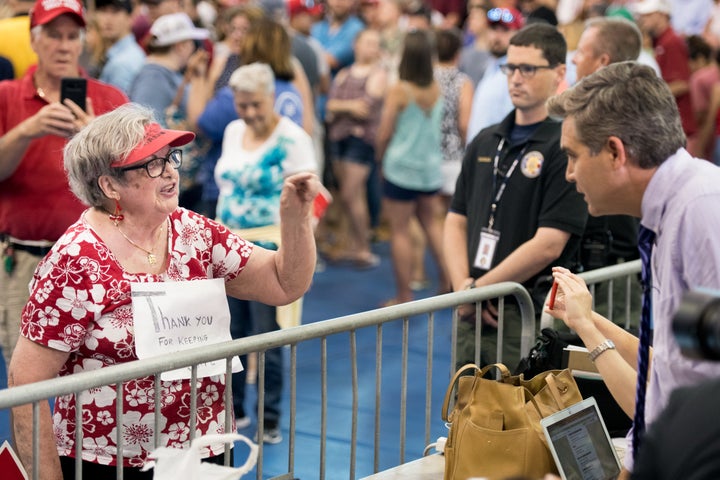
(38, 89)
(151, 258)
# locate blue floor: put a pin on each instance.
(340, 290)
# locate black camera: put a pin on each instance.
(696, 325)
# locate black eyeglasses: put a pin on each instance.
(527, 71)
(156, 166)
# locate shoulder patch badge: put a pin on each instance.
(531, 164)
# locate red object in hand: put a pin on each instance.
(553, 292)
(321, 203)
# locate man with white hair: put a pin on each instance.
(36, 204)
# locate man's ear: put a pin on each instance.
(561, 71)
(616, 148)
(604, 59)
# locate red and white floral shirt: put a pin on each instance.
(80, 303)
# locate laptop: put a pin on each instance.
(580, 443)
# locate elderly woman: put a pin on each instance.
(83, 314)
(259, 151)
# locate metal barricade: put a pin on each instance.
(604, 281)
(421, 314)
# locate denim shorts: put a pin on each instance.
(353, 149)
(395, 192)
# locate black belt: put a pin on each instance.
(36, 250)
(31, 249)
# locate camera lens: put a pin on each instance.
(696, 325)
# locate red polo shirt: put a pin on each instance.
(672, 57)
(35, 201)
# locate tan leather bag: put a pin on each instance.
(495, 427)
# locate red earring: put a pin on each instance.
(116, 216)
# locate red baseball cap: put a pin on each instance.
(509, 18)
(156, 138)
(45, 11)
(313, 7)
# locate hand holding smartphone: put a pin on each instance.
(74, 89)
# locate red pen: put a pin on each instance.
(553, 292)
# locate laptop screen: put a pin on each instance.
(580, 443)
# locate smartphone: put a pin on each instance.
(75, 89)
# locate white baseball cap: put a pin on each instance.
(651, 6)
(173, 28)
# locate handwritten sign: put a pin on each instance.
(170, 317)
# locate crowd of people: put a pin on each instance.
(460, 128)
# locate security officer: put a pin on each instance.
(514, 215)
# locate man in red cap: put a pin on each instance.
(36, 205)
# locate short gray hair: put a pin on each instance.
(253, 78)
(629, 101)
(107, 138)
(618, 37)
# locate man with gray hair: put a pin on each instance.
(626, 154)
(609, 239)
(606, 40)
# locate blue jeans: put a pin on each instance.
(252, 318)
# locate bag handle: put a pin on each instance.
(504, 371)
(448, 393)
(556, 389)
(530, 397)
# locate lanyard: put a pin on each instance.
(500, 190)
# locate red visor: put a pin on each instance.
(156, 138)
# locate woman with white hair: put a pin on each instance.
(259, 151)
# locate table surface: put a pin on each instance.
(431, 467)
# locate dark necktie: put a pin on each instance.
(646, 237)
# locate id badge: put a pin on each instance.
(486, 249)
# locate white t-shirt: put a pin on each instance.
(250, 181)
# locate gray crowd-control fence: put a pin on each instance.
(425, 313)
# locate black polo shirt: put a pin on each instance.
(536, 194)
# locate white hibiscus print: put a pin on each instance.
(63, 438)
(73, 335)
(125, 350)
(209, 395)
(104, 417)
(179, 432)
(97, 450)
(138, 430)
(121, 318)
(137, 396)
(77, 302)
(102, 396)
(94, 270)
(48, 317)
(42, 293)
